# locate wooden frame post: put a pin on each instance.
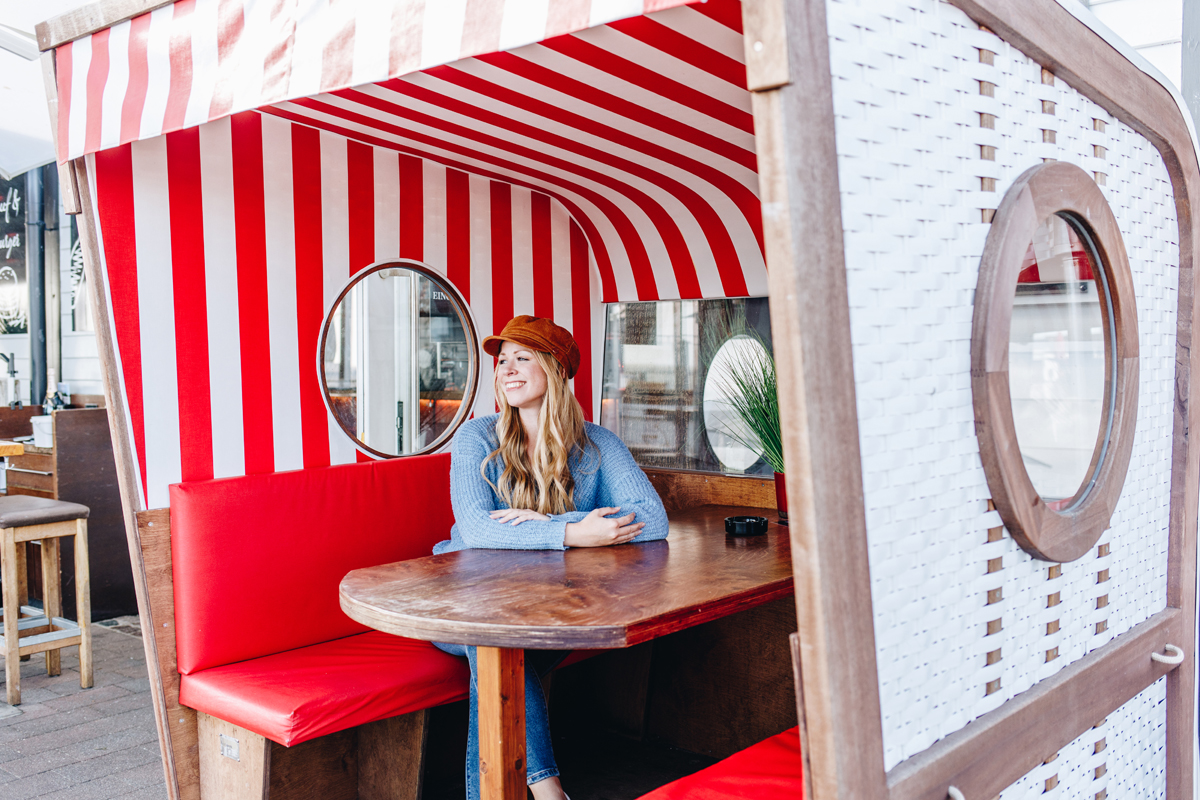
(802, 226)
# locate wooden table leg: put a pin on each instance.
(83, 603)
(501, 676)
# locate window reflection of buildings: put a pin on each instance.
(656, 359)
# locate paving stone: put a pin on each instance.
(83, 744)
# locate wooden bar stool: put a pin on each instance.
(27, 630)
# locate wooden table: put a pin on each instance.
(8, 448)
(507, 601)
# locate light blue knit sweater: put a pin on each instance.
(616, 481)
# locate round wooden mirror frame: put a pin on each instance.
(464, 314)
(1064, 189)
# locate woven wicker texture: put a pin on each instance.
(1123, 756)
(923, 121)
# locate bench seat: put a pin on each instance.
(324, 688)
(769, 770)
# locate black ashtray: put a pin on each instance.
(746, 526)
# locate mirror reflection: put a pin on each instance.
(1057, 357)
(723, 425)
(399, 363)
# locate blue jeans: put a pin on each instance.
(539, 754)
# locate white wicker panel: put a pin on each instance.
(1123, 756)
(908, 105)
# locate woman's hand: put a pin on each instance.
(599, 529)
(516, 515)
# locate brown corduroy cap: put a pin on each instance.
(538, 334)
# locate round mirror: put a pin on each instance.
(1058, 361)
(725, 429)
(399, 362)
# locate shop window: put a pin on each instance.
(661, 391)
(1055, 361)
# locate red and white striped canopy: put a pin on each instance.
(198, 60)
(614, 163)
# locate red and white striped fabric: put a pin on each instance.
(612, 164)
(641, 128)
(226, 244)
(199, 60)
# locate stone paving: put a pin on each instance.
(84, 744)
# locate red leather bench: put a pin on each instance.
(769, 770)
(264, 650)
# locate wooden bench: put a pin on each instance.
(264, 653)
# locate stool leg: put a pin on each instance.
(83, 603)
(23, 579)
(12, 610)
(52, 596)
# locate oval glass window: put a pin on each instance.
(399, 365)
(727, 434)
(1059, 357)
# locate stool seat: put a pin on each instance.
(19, 511)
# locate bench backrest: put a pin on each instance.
(257, 559)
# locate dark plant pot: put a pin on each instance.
(781, 497)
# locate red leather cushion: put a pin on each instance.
(257, 559)
(302, 694)
(769, 770)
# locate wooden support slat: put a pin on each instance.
(67, 183)
(802, 226)
(154, 536)
(998, 748)
(501, 676)
(179, 787)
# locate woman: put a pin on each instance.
(537, 477)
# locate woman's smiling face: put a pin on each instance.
(520, 376)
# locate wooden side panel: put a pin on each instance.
(681, 489)
(722, 687)
(326, 768)
(802, 226)
(391, 757)
(154, 529)
(609, 691)
(235, 764)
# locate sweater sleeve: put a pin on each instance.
(473, 499)
(624, 485)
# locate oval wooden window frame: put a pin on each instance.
(1053, 188)
(464, 312)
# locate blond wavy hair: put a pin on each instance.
(546, 485)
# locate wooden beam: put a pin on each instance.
(802, 225)
(86, 20)
(995, 750)
(127, 474)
